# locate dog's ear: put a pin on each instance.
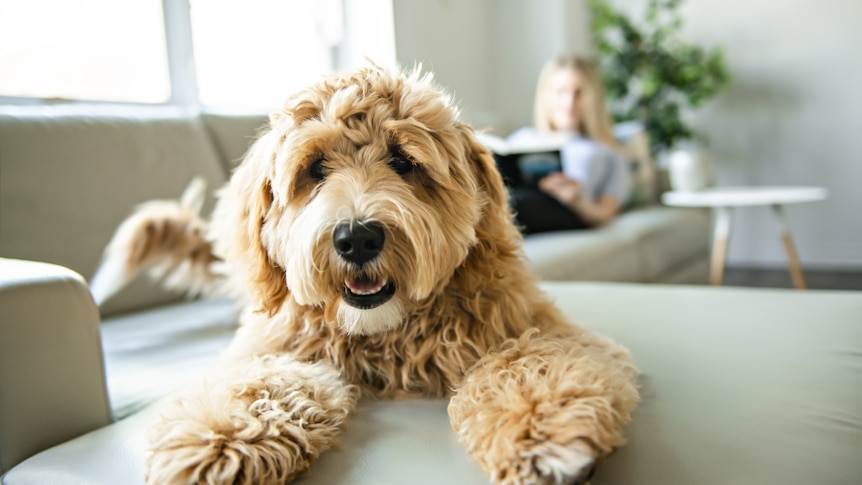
(489, 178)
(498, 236)
(244, 207)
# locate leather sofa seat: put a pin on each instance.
(741, 386)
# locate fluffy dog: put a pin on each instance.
(369, 233)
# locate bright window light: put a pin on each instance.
(255, 53)
(249, 54)
(85, 49)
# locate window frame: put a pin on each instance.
(181, 65)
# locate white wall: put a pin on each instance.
(488, 52)
(525, 35)
(451, 38)
(791, 115)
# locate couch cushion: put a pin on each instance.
(582, 255)
(665, 238)
(71, 174)
(640, 245)
(739, 386)
(151, 354)
(233, 133)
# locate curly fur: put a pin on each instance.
(264, 420)
(166, 237)
(534, 398)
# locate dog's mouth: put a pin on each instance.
(365, 292)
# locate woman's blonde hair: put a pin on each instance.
(596, 123)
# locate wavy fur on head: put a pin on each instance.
(427, 296)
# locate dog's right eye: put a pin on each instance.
(317, 169)
(400, 163)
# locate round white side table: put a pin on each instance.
(723, 199)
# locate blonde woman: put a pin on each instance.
(594, 182)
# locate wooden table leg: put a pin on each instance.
(789, 248)
(720, 237)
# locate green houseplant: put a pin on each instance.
(650, 73)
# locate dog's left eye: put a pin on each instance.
(317, 169)
(400, 163)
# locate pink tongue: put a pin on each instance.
(365, 285)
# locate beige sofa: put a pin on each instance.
(70, 174)
(739, 386)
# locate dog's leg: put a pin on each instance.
(166, 237)
(545, 409)
(262, 421)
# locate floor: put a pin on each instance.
(778, 278)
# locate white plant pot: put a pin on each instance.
(689, 169)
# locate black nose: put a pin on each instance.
(358, 241)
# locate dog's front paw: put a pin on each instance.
(548, 463)
(536, 462)
(262, 421)
(543, 410)
(219, 459)
(237, 448)
(542, 443)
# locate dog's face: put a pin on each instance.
(363, 199)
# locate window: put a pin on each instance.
(224, 53)
(255, 51)
(87, 49)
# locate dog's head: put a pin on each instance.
(364, 199)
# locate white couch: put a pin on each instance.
(739, 386)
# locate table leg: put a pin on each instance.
(720, 237)
(789, 248)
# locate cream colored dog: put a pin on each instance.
(369, 232)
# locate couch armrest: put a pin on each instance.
(52, 378)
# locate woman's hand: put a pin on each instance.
(566, 190)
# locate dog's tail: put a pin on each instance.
(166, 238)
